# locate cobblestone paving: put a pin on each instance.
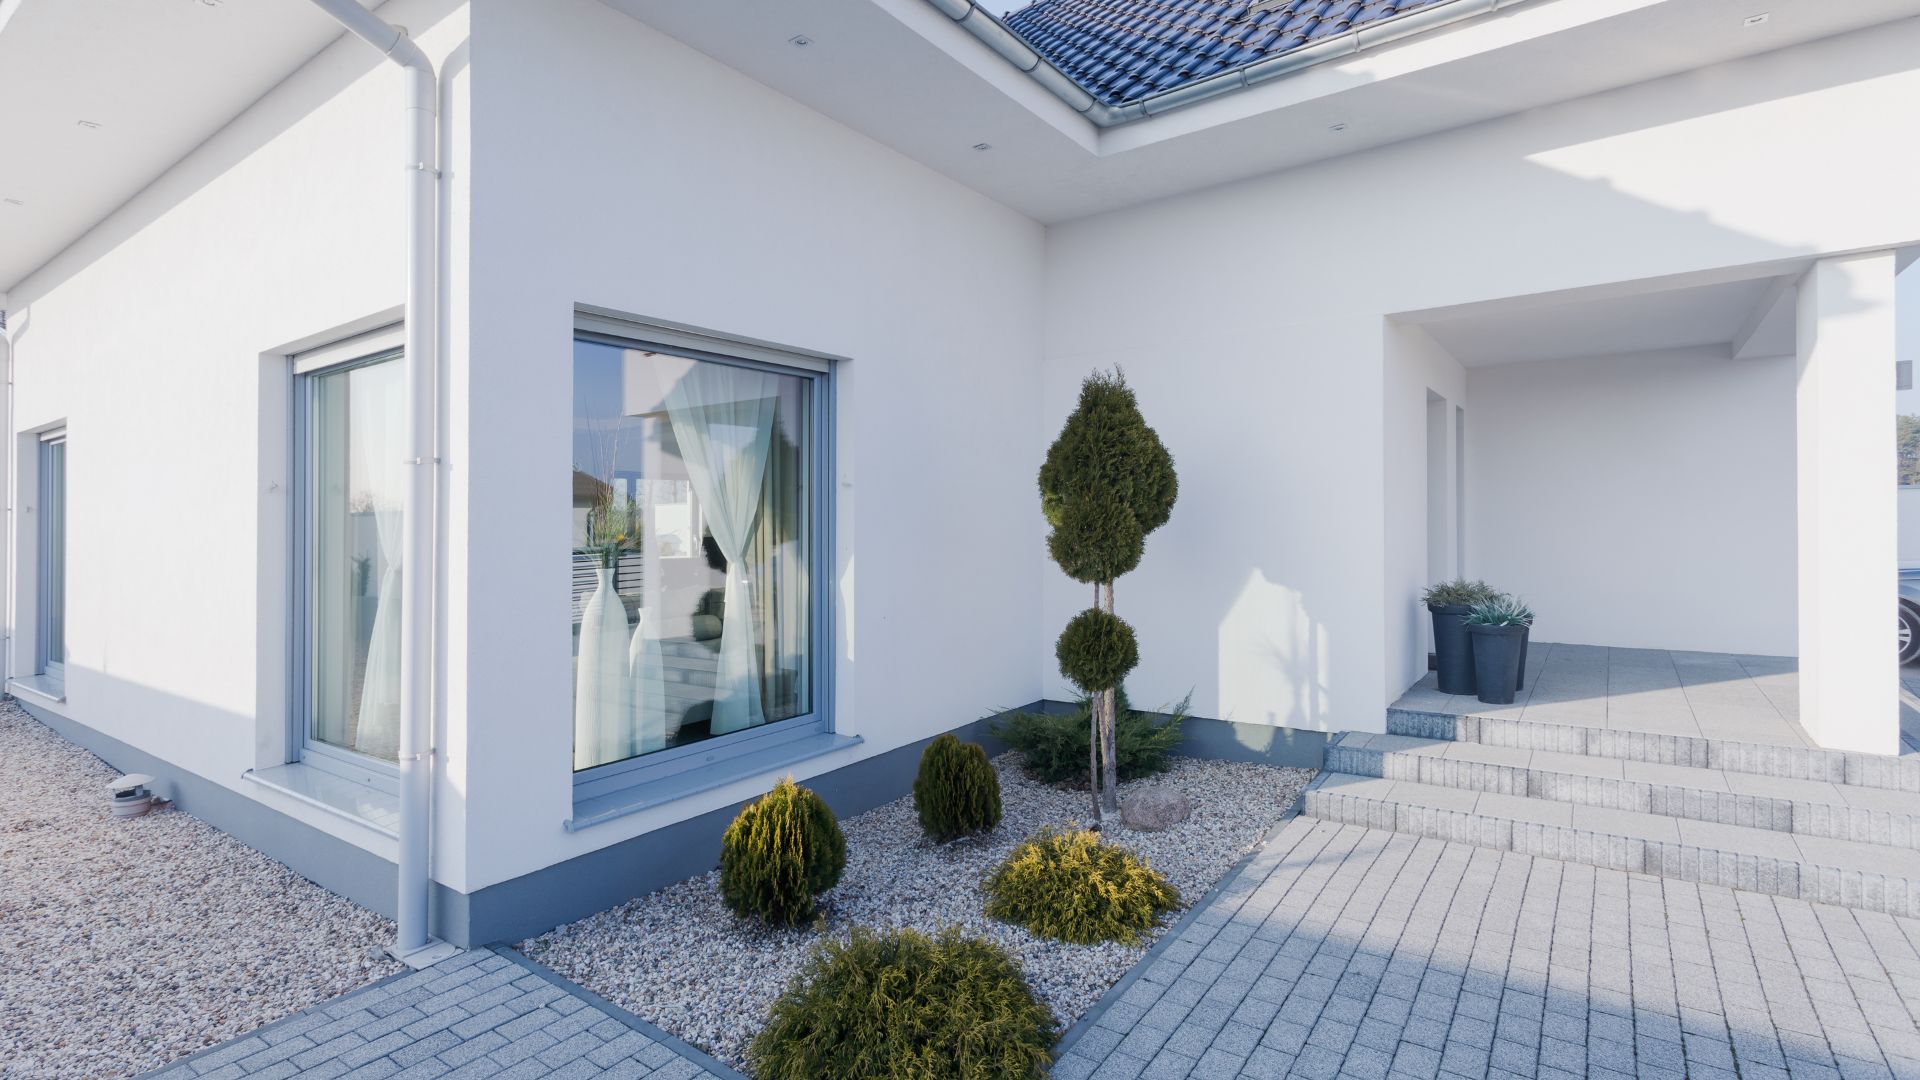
(485, 1013)
(1341, 951)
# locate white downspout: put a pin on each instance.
(420, 366)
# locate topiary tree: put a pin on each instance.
(957, 792)
(1107, 482)
(780, 852)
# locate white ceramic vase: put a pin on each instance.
(654, 722)
(603, 721)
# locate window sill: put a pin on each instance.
(652, 793)
(44, 687)
(358, 803)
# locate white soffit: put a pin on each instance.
(1561, 328)
(156, 77)
(903, 73)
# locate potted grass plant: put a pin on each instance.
(1498, 628)
(1451, 602)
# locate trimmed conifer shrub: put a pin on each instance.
(957, 792)
(906, 1006)
(1067, 884)
(1107, 482)
(1053, 746)
(783, 850)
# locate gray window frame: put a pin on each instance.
(376, 347)
(54, 670)
(660, 776)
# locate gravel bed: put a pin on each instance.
(127, 944)
(680, 959)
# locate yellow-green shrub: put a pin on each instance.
(902, 1006)
(779, 853)
(1067, 884)
(957, 792)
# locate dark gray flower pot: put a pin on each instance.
(1452, 651)
(1496, 661)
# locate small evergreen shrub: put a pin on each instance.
(957, 792)
(781, 852)
(1457, 593)
(902, 1005)
(1070, 886)
(1055, 744)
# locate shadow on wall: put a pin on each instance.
(1266, 579)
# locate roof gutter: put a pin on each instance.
(420, 367)
(981, 24)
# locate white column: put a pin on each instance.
(1849, 662)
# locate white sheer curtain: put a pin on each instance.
(722, 419)
(376, 426)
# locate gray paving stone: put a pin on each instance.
(478, 1015)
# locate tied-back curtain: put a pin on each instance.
(722, 419)
(378, 426)
(779, 557)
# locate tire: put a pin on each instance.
(1909, 633)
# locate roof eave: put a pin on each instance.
(996, 36)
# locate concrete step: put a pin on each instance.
(1727, 755)
(1815, 808)
(1867, 876)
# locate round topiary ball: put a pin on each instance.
(782, 851)
(1096, 650)
(1070, 886)
(902, 1005)
(957, 792)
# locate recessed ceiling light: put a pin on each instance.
(89, 123)
(983, 146)
(1337, 128)
(1758, 20)
(800, 41)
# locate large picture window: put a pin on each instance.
(696, 517)
(351, 478)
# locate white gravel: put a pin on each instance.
(125, 944)
(680, 959)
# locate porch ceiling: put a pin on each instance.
(1582, 324)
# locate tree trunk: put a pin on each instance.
(1109, 739)
(1094, 742)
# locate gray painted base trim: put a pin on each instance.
(573, 989)
(581, 886)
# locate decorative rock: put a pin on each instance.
(669, 955)
(1155, 809)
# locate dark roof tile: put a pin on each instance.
(1122, 50)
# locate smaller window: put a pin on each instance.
(53, 556)
(349, 487)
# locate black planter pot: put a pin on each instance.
(1520, 677)
(1452, 651)
(1496, 661)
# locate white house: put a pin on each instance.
(1591, 298)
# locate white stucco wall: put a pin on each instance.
(623, 169)
(1644, 500)
(160, 339)
(1417, 371)
(1251, 317)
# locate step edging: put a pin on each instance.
(1792, 878)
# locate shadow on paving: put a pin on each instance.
(1339, 950)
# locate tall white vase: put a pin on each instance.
(653, 724)
(603, 721)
